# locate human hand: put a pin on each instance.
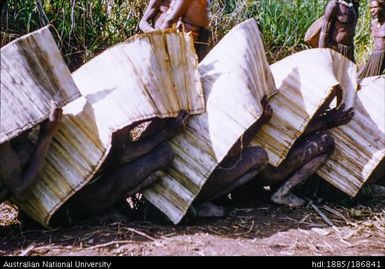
(338, 116)
(51, 125)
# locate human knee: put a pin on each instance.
(319, 143)
(258, 157)
(327, 143)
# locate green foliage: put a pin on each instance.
(363, 35)
(84, 27)
(87, 27)
(284, 24)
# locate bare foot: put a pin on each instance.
(289, 199)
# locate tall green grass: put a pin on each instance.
(84, 27)
(284, 23)
(363, 41)
(87, 27)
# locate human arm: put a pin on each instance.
(356, 5)
(246, 138)
(19, 179)
(177, 11)
(329, 119)
(327, 22)
(149, 14)
(136, 149)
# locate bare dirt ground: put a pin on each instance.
(261, 229)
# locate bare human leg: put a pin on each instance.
(303, 160)
(103, 194)
(229, 175)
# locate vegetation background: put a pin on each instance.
(84, 28)
(87, 27)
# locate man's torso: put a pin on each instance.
(198, 13)
(344, 25)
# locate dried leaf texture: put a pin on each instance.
(235, 76)
(360, 144)
(147, 76)
(33, 72)
(306, 82)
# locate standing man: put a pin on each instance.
(339, 26)
(376, 63)
(192, 15)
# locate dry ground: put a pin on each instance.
(249, 229)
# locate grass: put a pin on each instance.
(84, 28)
(87, 27)
(283, 23)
